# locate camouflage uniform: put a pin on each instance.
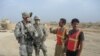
(23, 34)
(39, 39)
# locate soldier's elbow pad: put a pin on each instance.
(17, 38)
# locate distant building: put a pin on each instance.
(6, 24)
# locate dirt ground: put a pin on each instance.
(10, 47)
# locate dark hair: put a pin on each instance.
(64, 20)
(75, 20)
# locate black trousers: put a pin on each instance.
(71, 53)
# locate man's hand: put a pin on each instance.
(44, 39)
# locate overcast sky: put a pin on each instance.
(51, 10)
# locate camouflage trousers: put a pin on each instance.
(59, 50)
(26, 49)
(38, 46)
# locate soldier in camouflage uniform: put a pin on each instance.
(40, 38)
(24, 31)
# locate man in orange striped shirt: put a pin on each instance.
(75, 39)
(60, 34)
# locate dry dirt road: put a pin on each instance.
(10, 47)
